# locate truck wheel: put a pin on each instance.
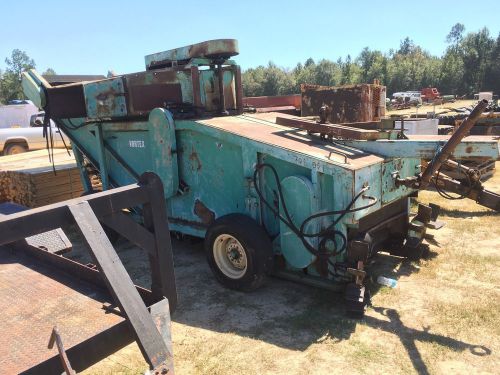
(239, 252)
(15, 148)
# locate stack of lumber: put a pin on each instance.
(29, 179)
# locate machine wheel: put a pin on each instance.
(15, 148)
(239, 252)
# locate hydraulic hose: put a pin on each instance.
(328, 234)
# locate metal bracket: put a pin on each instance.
(55, 337)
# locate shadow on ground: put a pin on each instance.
(282, 313)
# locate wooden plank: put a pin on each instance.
(29, 178)
(66, 188)
(120, 285)
(39, 158)
(337, 131)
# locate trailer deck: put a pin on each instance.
(89, 310)
(34, 292)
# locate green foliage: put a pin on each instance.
(471, 63)
(10, 79)
(10, 82)
(492, 74)
(49, 72)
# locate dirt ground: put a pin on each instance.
(442, 318)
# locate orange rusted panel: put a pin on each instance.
(353, 103)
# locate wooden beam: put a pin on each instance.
(120, 285)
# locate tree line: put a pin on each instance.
(10, 79)
(470, 63)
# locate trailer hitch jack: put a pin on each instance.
(356, 295)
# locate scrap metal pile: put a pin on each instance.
(271, 194)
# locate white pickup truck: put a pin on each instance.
(17, 140)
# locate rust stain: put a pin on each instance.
(469, 149)
(106, 107)
(195, 159)
(203, 212)
(352, 103)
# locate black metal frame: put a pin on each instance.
(154, 237)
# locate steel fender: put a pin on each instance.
(164, 149)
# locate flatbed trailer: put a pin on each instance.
(88, 310)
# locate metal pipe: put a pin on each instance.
(452, 143)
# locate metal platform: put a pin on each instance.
(262, 128)
(54, 241)
(45, 298)
(91, 311)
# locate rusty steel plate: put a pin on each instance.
(33, 299)
(262, 127)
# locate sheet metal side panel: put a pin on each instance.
(316, 154)
(105, 98)
(212, 168)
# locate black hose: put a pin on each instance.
(447, 195)
(328, 234)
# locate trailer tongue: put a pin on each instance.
(268, 196)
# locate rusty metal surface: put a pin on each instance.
(272, 101)
(333, 130)
(67, 101)
(44, 298)
(213, 49)
(353, 103)
(477, 193)
(149, 90)
(206, 215)
(262, 127)
(452, 143)
(64, 79)
(55, 338)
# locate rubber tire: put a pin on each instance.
(256, 244)
(12, 146)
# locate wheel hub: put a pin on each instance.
(236, 255)
(230, 256)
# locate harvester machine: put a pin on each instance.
(269, 195)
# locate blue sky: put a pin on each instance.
(91, 37)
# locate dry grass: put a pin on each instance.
(441, 319)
